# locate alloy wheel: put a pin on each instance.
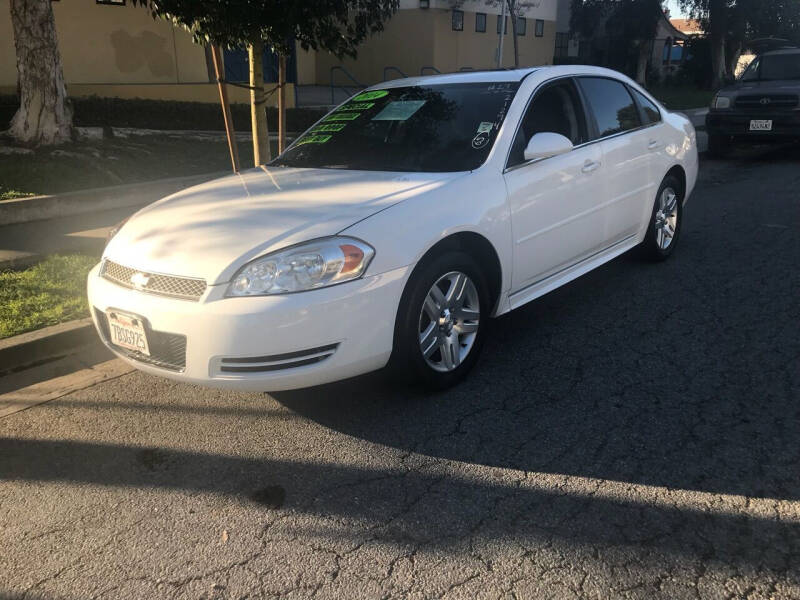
(448, 321)
(666, 221)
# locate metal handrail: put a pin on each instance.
(422, 70)
(349, 76)
(392, 69)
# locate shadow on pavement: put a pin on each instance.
(434, 508)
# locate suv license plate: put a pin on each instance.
(127, 331)
(760, 125)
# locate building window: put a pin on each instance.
(458, 20)
(480, 22)
(522, 25)
(424, 3)
(562, 44)
(539, 28)
(115, 2)
(504, 24)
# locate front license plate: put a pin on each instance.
(127, 331)
(761, 125)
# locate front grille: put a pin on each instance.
(277, 362)
(167, 350)
(186, 288)
(767, 101)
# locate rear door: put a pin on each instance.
(627, 155)
(555, 202)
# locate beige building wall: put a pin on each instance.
(417, 38)
(121, 51)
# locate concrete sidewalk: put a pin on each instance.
(22, 244)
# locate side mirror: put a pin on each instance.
(546, 144)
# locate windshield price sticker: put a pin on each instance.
(329, 127)
(314, 139)
(343, 116)
(359, 105)
(399, 110)
(485, 127)
(373, 95)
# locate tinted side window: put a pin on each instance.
(611, 104)
(557, 109)
(650, 112)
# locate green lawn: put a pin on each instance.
(115, 161)
(12, 194)
(681, 98)
(51, 292)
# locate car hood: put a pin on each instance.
(209, 231)
(778, 86)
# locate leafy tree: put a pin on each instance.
(44, 116)
(629, 25)
(729, 24)
(336, 26)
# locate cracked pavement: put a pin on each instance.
(635, 434)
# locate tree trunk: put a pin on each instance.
(281, 103)
(45, 115)
(718, 18)
(258, 108)
(641, 62)
(513, 13)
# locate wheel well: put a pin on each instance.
(479, 248)
(678, 172)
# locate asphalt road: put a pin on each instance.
(635, 434)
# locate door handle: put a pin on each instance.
(653, 145)
(590, 165)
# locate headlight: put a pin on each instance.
(307, 266)
(721, 102)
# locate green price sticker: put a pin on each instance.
(314, 139)
(343, 116)
(329, 127)
(359, 105)
(373, 95)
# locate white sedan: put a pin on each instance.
(390, 231)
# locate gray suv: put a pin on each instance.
(763, 105)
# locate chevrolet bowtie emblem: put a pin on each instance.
(140, 280)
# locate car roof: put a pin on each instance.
(497, 75)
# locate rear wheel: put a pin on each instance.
(441, 321)
(665, 222)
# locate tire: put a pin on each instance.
(719, 145)
(657, 244)
(460, 317)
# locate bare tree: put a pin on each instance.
(516, 9)
(44, 116)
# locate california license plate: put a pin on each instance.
(127, 331)
(761, 125)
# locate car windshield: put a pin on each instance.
(773, 67)
(435, 128)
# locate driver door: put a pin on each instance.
(555, 202)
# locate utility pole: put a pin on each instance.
(502, 31)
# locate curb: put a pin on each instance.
(25, 349)
(37, 208)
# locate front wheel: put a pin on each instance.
(441, 321)
(665, 221)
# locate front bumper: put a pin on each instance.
(271, 340)
(785, 124)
